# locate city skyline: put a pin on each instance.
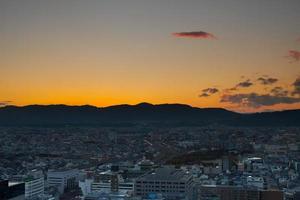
(242, 56)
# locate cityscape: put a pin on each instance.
(148, 160)
(149, 100)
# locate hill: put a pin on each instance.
(170, 114)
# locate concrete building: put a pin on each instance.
(63, 179)
(168, 181)
(34, 187)
(109, 183)
(218, 192)
(257, 182)
(34, 184)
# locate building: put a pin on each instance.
(168, 181)
(34, 187)
(34, 184)
(292, 194)
(11, 191)
(219, 192)
(257, 182)
(109, 183)
(63, 179)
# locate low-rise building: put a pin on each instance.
(220, 192)
(172, 183)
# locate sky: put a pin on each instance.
(236, 54)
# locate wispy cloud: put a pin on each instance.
(255, 100)
(243, 84)
(204, 95)
(195, 35)
(267, 80)
(208, 91)
(294, 55)
(211, 90)
(279, 91)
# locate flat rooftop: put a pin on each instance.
(167, 173)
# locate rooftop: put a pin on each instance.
(167, 173)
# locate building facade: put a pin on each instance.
(34, 187)
(168, 181)
(63, 179)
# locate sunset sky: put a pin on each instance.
(237, 54)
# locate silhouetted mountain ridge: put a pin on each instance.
(41, 115)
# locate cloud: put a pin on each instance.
(255, 100)
(296, 85)
(279, 92)
(294, 55)
(5, 103)
(195, 35)
(243, 84)
(208, 91)
(231, 89)
(211, 90)
(267, 81)
(204, 95)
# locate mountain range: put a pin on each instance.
(127, 115)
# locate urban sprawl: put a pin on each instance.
(144, 162)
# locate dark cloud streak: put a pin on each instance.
(279, 92)
(244, 84)
(204, 95)
(211, 90)
(208, 91)
(195, 35)
(267, 81)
